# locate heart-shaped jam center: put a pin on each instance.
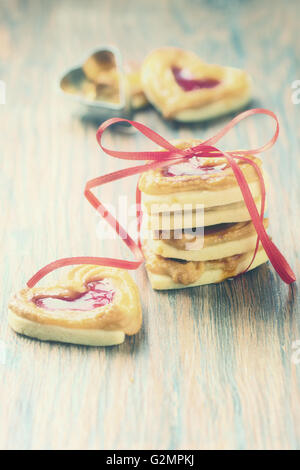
(98, 294)
(188, 83)
(195, 166)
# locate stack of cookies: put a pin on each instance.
(196, 227)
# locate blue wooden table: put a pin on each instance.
(213, 367)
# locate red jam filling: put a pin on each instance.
(99, 294)
(195, 166)
(188, 83)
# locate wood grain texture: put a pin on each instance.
(212, 366)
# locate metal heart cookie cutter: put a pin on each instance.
(97, 86)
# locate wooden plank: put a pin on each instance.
(212, 366)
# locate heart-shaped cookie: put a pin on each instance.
(184, 88)
(92, 305)
(185, 186)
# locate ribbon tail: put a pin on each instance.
(111, 262)
(276, 258)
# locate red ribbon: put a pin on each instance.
(169, 156)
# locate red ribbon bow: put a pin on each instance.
(169, 156)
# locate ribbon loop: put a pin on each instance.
(170, 155)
